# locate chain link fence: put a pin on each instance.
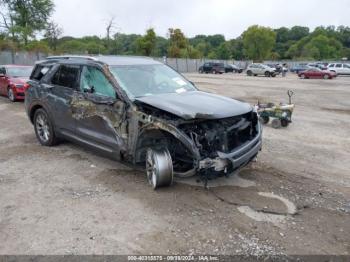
(182, 65)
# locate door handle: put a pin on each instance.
(46, 86)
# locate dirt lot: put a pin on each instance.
(294, 200)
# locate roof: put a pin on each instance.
(109, 60)
(16, 65)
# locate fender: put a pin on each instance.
(178, 134)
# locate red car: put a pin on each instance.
(13, 81)
(317, 73)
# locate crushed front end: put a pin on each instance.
(225, 145)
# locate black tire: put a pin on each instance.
(326, 77)
(284, 122)
(43, 127)
(249, 73)
(302, 76)
(200, 71)
(265, 119)
(276, 123)
(273, 75)
(267, 74)
(11, 94)
(214, 72)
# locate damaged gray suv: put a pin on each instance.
(140, 111)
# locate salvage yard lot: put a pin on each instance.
(67, 200)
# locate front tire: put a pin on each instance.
(302, 76)
(267, 74)
(44, 129)
(11, 95)
(326, 77)
(249, 73)
(159, 168)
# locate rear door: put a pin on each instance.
(100, 113)
(60, 91)
(346, 69)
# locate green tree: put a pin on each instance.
(177, 43)
(223, 51)
(161, 47)
(258, 42)
(26, 17)
(38, 46)
(298, 32)
(52, 34)
(74, 46)
(147, 43)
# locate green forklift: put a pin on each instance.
(281, 114)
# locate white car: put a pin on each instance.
(261, 69)
(340, 69)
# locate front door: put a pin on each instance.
(99, 113)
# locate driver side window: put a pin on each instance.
(2, 71)
(94, 81)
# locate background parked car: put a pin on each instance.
(233, 69)
(278, 67)
(340, 69)
(299, 68)
(13, 81)
(317, 73)
(214, 68)
(261, 69)
(321, 66)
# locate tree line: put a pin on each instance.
(27, 25)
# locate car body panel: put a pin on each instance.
(210, 67)
(17, 84)
(194, 105)
(201, 130)
(260, 69)
(317, 73)
(340, 68)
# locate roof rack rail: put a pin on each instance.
(67, 57)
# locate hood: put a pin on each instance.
(19, 80)
(197, 105)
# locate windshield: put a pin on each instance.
(19, 71)
(148, 80)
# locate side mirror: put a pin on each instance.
(90, 89)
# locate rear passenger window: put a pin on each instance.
(2, 71)
(39, 72)
(67, 76)
(93, 79)
(331, 65)
(339, 65)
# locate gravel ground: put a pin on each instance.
(294, 200)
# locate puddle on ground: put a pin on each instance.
(291, 208)
(260, 216)
(233, 180)
(266, 217)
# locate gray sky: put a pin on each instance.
(227, 17)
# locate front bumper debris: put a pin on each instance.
(236, 159)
